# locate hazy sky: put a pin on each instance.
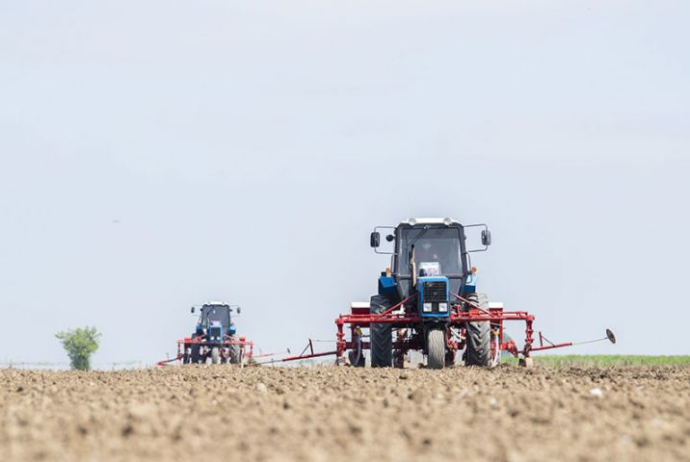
(158, 154)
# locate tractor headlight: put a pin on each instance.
(427, 307)
(443, 307)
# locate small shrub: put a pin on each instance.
(80, 344)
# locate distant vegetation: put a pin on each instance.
(80, 344)
(608, 360)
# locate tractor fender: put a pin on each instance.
(387, 286)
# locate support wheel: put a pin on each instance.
(436, 348)
(381, 335)
(398, 359)
(478, 350)
(356, 360)
(215, 355)
(356, 355)
(450, 357)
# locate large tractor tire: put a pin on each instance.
(436, 348)
(235, 354)
(478, 349)
(380, 334)
(215, 355)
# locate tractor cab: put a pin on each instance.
(418, 294)
(429, 258)
(215, 321)
(214, 337)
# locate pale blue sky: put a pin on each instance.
(247, 149)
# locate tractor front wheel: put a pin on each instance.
(380, 334)
(215, 355)
(436, 348)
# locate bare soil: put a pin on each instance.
(329, 413)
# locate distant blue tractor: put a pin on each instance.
(215, 336)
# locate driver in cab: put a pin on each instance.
(429, 260)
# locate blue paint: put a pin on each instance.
(420, 298)
(388, 286)
(471, 284)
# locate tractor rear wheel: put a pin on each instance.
(436, 348)
(235, 354)
(380, 334)
(215, 355)
(478, 350)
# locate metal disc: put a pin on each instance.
(610, 336)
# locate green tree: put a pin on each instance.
(80, 344)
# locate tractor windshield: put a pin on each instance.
(215, 314)
(437, 251)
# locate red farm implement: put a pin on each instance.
(350, 351)
(462, 314)
(193, 350)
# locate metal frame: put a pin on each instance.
(478, 225)
(376, 230)
(246, 348)
(403, 316)
(406, 318)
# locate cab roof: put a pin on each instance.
(429, 221)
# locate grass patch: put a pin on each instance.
(606, 360)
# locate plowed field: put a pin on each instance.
(329, 413)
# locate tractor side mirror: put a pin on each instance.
(192, 310)
(390, 238)
(486, 238)
(375, 239)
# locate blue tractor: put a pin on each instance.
(425, 296)
(215, 336)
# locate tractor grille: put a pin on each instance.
(435, 291)
(215, 334)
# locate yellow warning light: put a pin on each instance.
(474, 270)
(388, 271)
